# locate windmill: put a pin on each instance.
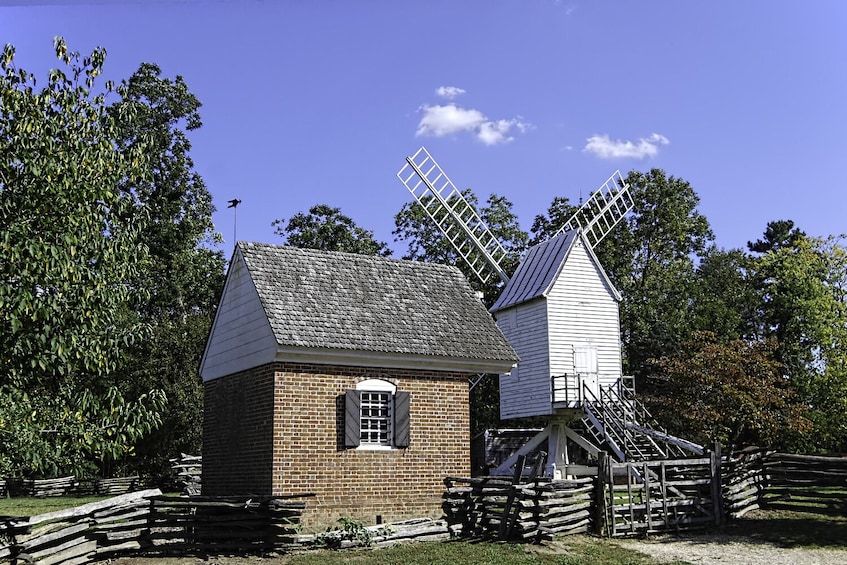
(457, 219)
(560, 313)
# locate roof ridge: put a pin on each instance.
(348, 254)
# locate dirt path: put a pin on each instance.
(716, 549)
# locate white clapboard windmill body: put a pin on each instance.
(559, 311)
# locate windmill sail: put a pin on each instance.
(602, 211)
(454, 216)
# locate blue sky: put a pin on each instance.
(321, 101)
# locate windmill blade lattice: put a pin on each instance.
(455, 217)
(602, 211)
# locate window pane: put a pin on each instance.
(376, 412)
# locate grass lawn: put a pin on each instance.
(29, 506)
(573, 550)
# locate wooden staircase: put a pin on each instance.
(621, 425)
(613, 421)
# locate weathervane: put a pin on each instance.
(234, 205)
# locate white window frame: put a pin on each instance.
(379, 387)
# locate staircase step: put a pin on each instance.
(614, 414)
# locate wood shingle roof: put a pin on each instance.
(342, 301)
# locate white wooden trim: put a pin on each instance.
(376, 385)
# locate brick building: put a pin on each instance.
(346, 376)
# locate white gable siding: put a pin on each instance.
(526, 392)
(241, 336)
(583, 312)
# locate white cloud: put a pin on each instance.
(522, 125)
(492, 133)
(449, 92)
(604, 147)
(440, 120)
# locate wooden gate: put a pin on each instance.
(657, 496)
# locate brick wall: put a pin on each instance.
(308, 453)
(237, 433)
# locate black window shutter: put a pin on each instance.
(352, 418)
(401, 419)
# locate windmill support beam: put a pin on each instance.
(473, 381)
(667, 438)
(505, 468)
(558, 466)
(592, 449)
(557, 451)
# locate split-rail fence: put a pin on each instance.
(613, 499)
(617, 499)
(145, 522)
(638, 498)
(782, 481)
(63, 486)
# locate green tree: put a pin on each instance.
(650, 258)
(70, 241)
(72, 430)
(168, 360)
(425, 242)
(804, 308)
(180, 233)
(778, 234)
(546, 226)
(731, 391)
(327, 229)
(725, 301)
(183, 275)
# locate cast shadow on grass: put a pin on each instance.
(791, 529)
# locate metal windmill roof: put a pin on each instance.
(540, 268)
(319, 299)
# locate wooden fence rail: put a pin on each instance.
(189, 471)
(637, 498)
(64, 486)
(808, 483)
(145, 522)
(743, 483)
(622, 499)
(41, 487)
(495, 507)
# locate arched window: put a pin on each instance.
(376, 416)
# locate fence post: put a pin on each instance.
(600, 493)
(717, 490)
(505, 529)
